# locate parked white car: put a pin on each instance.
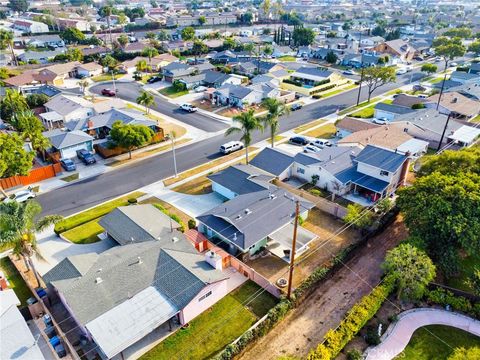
(380, 121)
(231, 147)
(21, 196)
(311, 149)
(401, 71)
(321, 143)
(188, 107)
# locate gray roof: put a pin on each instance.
(239, 91)
(395, 109)
(139, 223)
(249, 218)
(261, 79)
(464, 75)
(62, 139)
(175, 270)
(304, 70)
(429, 120)
(242, 179)
(65, 104)
(273, 161)
(381, 158)
(108, 118)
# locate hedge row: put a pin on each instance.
(357, 317)
(459, 303)
(293, 82)
(325, 88)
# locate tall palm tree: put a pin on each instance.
(247, 124)
(6, 41)
(146, 100)
(18, 225)
(275, 110)
(83, 85)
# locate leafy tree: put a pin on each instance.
(121, 19)
(268, 50)
(74, 54)
(18, 5)
(6, 42)
(202, 20)
(109, 61)
(12, 102)
(162, 35)
(448, 48)
(130, 136)
(247, 18)
(461, 353)
(141, 66)
(375, 77)
(36, 100)
(462, 32)
(331, 34)
(30, 127)
(475, 47)
(150, 35)
(14, 159)
(154, 4)
(429, 68)
(199, 48)
(188, 33)
(146, 99)
(247, 123)
(150, 53)
(122, 40)
(411, 270)
(474, 281)
(303, 36)
(275, 109)
(20, 223)
(331, 57)
(378, 31)
(357, 215)
(452, 162)
(179, 86)
(72, 36)
(266, 6)
(229, 43)
(393, 35)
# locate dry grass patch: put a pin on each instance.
(198, 186)
(310, 125)
(327, 131)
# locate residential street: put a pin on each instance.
(92, 191)
(306, 326)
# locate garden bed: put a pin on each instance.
(16, 281)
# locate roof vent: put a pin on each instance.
(98, 280)
(99, 270)
(238, 217)
(272, 196)
(248, 211)
(234, 236)
(454, 100)
(139, 260)
(175, 239)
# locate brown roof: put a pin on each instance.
(407, 100)
(61, 69)
(25, 78)
(388, 137)
(166, 57)
(458, 103)
(136, 46)
(354, 125)
(95, 50)
(90, 66)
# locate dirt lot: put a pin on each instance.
(305, 327)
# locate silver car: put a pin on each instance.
(21, 196)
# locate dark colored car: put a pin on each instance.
(154, 79)
(68, 164)
(296, 107)
(418, 88)
(80, 76)
(86, 157)
(418, 58)
(108, 92)
(298, 140)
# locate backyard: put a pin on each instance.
(437, 342)
(15, 279)
(467, 267)
(211, 331)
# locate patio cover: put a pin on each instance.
(283, 240)
(466, 134)
(130, 321)
(370, 183)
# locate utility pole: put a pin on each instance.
(441, 90)
(444, 130)
(114, 87)
(172, 138)
(294, 243)
(361, 74)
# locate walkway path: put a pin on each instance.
(398, 335)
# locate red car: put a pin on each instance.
(108, 92)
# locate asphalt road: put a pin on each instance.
(89, 192)
(130, 91)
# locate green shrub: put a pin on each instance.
(372, 337)
(418, 106)
(192, 224)
(459, 303)
(315, 192)
(132, 201)
(316, 96)
(293, 82)
(354, 355)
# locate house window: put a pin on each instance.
(203, 297)
(300, 170)
(384, 173)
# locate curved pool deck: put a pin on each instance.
(398, 334)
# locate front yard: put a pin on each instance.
(106, 77)
(15, 279)
(172, 92)
(214, 329)
(327, 131)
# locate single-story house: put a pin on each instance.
(89, 69)
(69, 107)
(177, 71)
(313, 76)
(211, 78)
(46, 41)
(29, 26)
(474, 68)
(455, 103)
(390, 111)
(68, 142)
(407, 100)
(42, 57)
(349, 125)
(464, 77)
(360, 60)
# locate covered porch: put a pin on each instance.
(280, 242)
(367, 190)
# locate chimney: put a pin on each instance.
(98, 280)
(139, 260)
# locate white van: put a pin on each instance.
(231, 147)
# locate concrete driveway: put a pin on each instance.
(192, 205)
(54, 249)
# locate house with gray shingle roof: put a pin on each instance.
(66, 143)
(123, 294)
(391, 111)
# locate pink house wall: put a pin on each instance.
(196, 307)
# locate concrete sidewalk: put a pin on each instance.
(398, 335)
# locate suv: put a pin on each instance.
(231, 147)
(321, 143)
(154, 79)
(298, 140)
(86, 157)
(188, 108)
(380, 121)
(20, 196)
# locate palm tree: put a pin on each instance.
(150, 52)
(18, 225)
(6, 41)
(146, 100)
(275, 110)
(247, 123)
(31, 128)
(83, 85)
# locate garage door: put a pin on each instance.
(71, 152)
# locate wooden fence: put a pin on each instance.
(35, 175)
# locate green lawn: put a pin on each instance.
(94, 213)
(172, 93)
(70, 177)
(426, 343)
(15, 280)
(85, 233)
(106, 77)
(287, 58)
(215, 328)
(368, 111)
(260, 305)
(467, 266)
(476, 119)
